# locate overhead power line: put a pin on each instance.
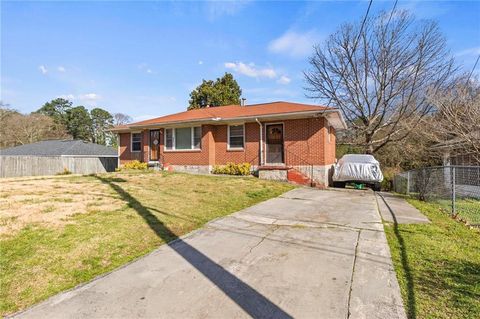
(473, 69)
(356, 42)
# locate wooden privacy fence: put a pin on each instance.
(16, 166)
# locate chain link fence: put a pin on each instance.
(455, 188)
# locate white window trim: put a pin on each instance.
(192, 134)
(131, 141)
(173, 149)
(228, 138)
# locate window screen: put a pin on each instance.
(197, 137)
(183, 138)
(169, 139)
(235, 136)
(136, 142)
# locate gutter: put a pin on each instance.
(217, 120)
(261, 140)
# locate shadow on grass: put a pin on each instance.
(458, 277)
(411, 306)
(250, 300)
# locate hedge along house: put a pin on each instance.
(280, 140)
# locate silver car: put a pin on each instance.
(358, 168)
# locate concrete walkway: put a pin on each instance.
(395, 209)
(306, 254)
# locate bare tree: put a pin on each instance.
(17, 129)
(120, 119)
(457, 120)
(5, 111)
(5, 135)
(416, 150)
(379, 75)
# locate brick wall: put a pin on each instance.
(126, 154)
(305, 140)
(249, 154)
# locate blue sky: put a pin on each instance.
(144, 58)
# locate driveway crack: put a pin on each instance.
(353, 273)
(274, 228)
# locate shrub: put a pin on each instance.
(134, 165)
(64, 172)
(232, 169)
(388, 176)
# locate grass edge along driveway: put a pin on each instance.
(437, 265)
(40, 260)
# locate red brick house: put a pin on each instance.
(280, 140)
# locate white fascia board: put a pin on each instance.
(339, 124)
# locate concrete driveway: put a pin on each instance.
(306, 254)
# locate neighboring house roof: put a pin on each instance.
(236, 112)
(61, 148)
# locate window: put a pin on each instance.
(235, 137)
(169, 138)
(197, 137)
(136, 142)
(184, 138)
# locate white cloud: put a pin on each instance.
(251, 70)
(43, 69)
(471, 51)
(61, 69)
(145, 68)
(294, 44)
(66, 96)
(216, 9)
(284, 79)
(200, 62)
(88, 97)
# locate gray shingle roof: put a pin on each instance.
(61, 147)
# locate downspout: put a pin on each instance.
(118, 150)
(261, 141)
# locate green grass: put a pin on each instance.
(40, 260)
(437, 265)
(466, 208)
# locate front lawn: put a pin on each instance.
(57, 232)
(437, 265)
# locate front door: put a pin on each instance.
(274, 144)
(154, 145)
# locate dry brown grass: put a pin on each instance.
(60, 231)
(49, 201)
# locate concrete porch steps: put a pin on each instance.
(297, 177)
(287, 174)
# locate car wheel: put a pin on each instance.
(339, 184)
(377, 187)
